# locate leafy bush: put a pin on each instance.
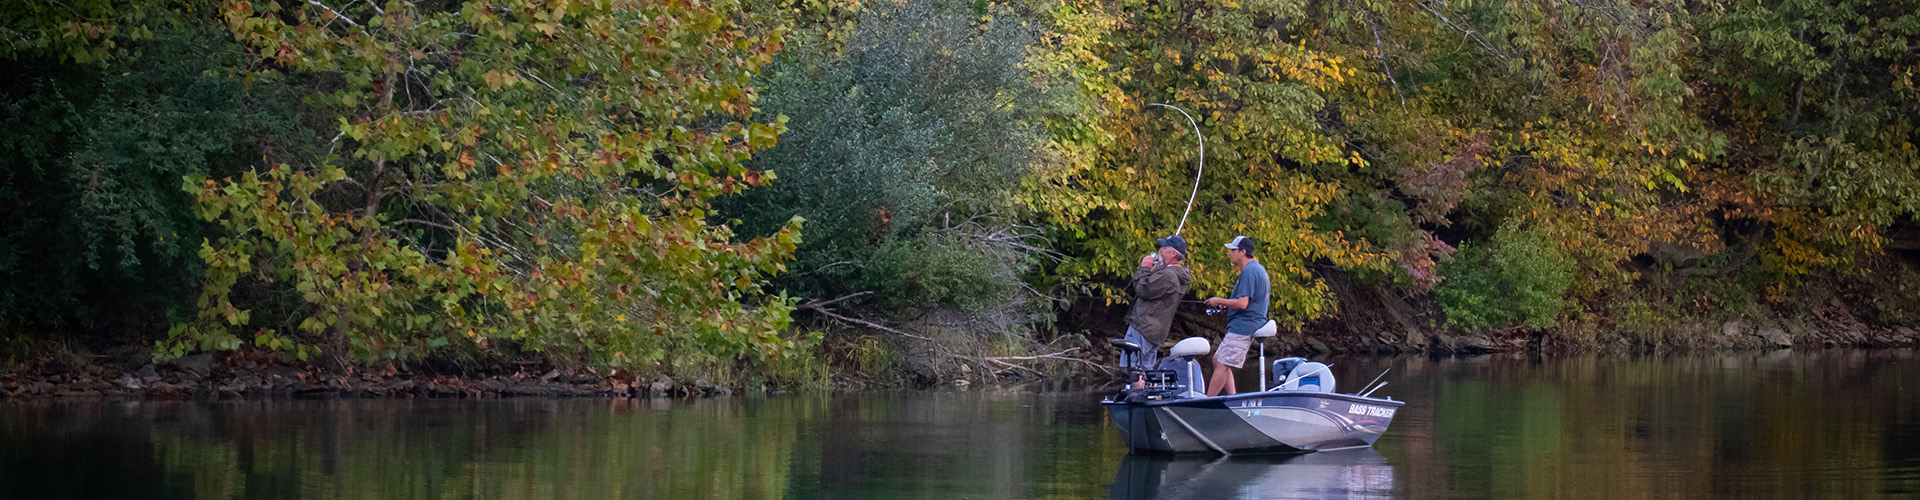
(1520, 279)
(1636, 318)
(911, 127)
(526, 175)
(939, 270)
(97, 234)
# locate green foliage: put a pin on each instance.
(83, 31)
(939, 270)
(802, 370)
(912, 125)
(1565, 119)
(1820, 100)
(505, 174)
(98, 234)
(855, 355)
(1260, 95)
(1357, 133)
(552, 175)
(1638, 318)
(1519, 279)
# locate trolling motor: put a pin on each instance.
(1156, 381)
(1130, 351)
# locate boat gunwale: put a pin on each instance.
(1351, 398)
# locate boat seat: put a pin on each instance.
(1277, 374)
(1267, 330)
(1310, 376)
(1191, 347)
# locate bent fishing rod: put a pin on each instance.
(1197, 171)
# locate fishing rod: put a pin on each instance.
(1376, 378)
(1198, 171)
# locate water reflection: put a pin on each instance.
(1823, 424)
(1345, 474)
(547, 449)
(1756, 425)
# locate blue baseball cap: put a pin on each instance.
(1174, 241)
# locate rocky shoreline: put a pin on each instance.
(237, 375)
(129, 372)
(1682, 336)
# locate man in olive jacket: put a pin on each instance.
(1157, 288)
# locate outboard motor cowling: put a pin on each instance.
(1180, 360)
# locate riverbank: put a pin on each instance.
(244, 374)
(1666, 310)
(1366, 319)
(255, 375)
(1374, 319)
(1689, 335)
(1379, 321)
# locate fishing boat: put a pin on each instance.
(1296, 411)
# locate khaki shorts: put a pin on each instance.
(1233, 350)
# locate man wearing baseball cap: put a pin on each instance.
(1247, 307)
(1157, 287)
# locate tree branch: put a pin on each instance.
(1056, 356)
(335, 13)
(825, 267)
(822, 310)
(426, 223)
(375, 191)
(815, 304)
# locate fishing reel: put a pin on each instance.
(1215, 310)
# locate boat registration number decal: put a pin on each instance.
(1371, 411)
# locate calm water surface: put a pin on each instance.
(1829, 424)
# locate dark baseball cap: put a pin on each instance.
(1241, 243)
(1174, 241)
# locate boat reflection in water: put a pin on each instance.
(1353, 473)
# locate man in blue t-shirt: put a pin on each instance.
(1248, 312)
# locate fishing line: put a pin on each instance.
(1197, 172)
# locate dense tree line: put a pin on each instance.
(1515, 158)
(665, 185)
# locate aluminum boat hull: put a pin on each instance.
(1259, 422)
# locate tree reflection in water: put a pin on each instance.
(1758, 425)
